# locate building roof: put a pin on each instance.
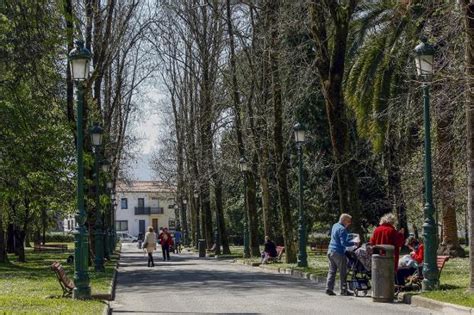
(144, 187)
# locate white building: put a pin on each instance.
(144, 203)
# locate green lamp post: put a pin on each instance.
(111, 239)
(96, 132)
(198, 227)
(185, 221)
(424, 67)
(302, 255)
(112, 223)
(244, 169)
(79, 59)
(105, 216)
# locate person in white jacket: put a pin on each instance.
(150, 245)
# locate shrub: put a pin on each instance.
(59, 238)
(319, 239)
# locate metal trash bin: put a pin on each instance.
(202, 248)
(383, 274)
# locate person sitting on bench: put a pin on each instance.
(269, 251)
(409, 264)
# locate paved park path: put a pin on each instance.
(189, 285)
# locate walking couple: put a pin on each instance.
(149, 244)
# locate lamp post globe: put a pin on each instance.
(299, 132)
(424, 66)
(96, 132)
(105, 166)
(79, 59)
(243, 164)
(424, 59)
(110, 185)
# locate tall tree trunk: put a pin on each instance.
(394, 181)
(281, 162)
(449, 240)
(252, 215)
(69, 17)
(469, 62)
(250, 188)
(3, 248)
(224, 239)
(330, 64)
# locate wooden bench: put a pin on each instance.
(66, 284)
(415, 280)
(280, 251)
(50, 247)
(440, 262)
(319, 249)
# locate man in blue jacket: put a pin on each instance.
(336, 254)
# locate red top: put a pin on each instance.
(386, 234)
(418, 254)
(165, 240)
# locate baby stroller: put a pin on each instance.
(359, 266)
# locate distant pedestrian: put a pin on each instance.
(165, 241)
(177, 241)
(149, 244)
(336, 254)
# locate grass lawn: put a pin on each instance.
(317, 264)
(32, 287)
(454, 283)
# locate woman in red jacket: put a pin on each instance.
(386, 234)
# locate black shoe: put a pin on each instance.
(330, 292)
(346, 293)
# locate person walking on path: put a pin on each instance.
(336, 254)
(386, 234)
(165, 241)
(177, 241)
(149, 244)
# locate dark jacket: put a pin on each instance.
(270, 249)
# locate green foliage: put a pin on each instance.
(384, 37)
(59, 238)
(35, 143)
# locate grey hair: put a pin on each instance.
(344, 216)
(388, 218)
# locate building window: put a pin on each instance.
(124, 203)
(141, 202)
(121, 225)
